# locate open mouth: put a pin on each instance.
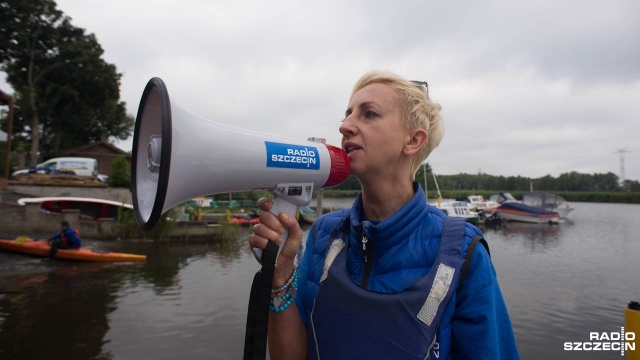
(350, 148)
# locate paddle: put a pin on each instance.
(22, 239)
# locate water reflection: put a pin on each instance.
(53, 313)
(198, 312)
(534, 237)
(50, 308)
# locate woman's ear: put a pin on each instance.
(417, 139)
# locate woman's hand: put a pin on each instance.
(271, 228)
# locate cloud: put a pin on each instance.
(527, 88)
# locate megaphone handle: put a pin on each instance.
(283, 206)
(280, 206)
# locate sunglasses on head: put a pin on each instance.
(422, 84)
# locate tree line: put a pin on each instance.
(567, 182)
(66, 95)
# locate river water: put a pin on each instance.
(189, 300)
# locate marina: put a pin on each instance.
(189, 299)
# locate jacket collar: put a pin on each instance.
(396, 227)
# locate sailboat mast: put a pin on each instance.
(436, 181)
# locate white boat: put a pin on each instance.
(479, 206)
(90, 208)
(511, 209)
(454, 207)
(547, 201)
(478, 203)
(458, 209)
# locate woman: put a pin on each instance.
(380, 280)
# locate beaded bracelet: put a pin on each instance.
(281, 303)
(288, 283)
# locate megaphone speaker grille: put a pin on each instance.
(151, 153)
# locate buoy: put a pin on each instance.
(632, 325)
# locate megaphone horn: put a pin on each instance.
(178, 156)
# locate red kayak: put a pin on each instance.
(245, 219)
(41, 248)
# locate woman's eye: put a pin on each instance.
(370, 114)
(346, 115)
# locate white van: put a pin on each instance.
(80, 166)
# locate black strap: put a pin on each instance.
(469, 256)
(255, 340)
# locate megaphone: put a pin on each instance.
(178, 156)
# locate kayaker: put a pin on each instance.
(67, 238)
(374, 281)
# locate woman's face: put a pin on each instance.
(373, 132)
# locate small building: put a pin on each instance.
(102, 151)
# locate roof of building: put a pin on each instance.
(99, 144)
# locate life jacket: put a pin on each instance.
(348, 321)
(65, 240)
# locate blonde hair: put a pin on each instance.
(418, 111)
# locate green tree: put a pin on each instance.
(120, 175)
(66, 93)
(631, 185)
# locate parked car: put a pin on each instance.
(63, 165)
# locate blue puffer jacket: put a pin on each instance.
(70, 236)
(475, 323)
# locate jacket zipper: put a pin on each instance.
(367, 254)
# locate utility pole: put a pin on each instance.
(622, 152)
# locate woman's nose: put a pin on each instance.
(347, 126)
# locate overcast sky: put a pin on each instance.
(527, 88)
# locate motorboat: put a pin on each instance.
(454, 207)
(510, 209)
(547, 201)
(477, 203)
(458, 209)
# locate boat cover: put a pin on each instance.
(542, 199)
(526, 208)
